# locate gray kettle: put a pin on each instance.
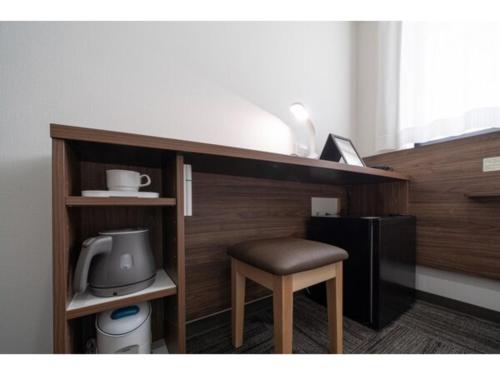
(115, 263)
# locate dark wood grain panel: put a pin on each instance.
(181, 254)
(61, 242)
(118, 201)
(387, 198)
(175, 311)
(227, 210)
(454, 232)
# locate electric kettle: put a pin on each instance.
(115, 263)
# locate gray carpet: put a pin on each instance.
(425, 328)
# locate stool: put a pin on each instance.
(286, 265)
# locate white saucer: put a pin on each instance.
(118, 193)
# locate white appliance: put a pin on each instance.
(126, 330)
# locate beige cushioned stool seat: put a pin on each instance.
(284, 256)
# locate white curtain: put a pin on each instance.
(387, 99)
(446, 80)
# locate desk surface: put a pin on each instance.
(236, 161)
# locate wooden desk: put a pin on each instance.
(237, 161)
(238, 194)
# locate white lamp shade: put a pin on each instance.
(299, 112)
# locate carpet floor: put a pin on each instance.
(425, 328)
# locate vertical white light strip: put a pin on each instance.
(188, 190)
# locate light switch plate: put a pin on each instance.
(325, 206)
(491, 164)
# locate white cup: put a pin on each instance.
(123, 180)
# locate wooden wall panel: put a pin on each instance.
(387, 198)
(454, 232)
(227, 210)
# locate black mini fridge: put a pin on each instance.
(379, 276)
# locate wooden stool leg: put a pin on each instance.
(334, 301)
(283, 314)
(238, 304)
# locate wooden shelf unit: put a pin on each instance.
(239, 194)
(80, 165)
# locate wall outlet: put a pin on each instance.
(325, 206)
(491, 164)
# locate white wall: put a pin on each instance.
(224, 83)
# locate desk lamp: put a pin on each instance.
(301, 115)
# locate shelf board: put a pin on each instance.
(484, 195)
(86, 303)
(76, 201)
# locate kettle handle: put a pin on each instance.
(90, 248)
